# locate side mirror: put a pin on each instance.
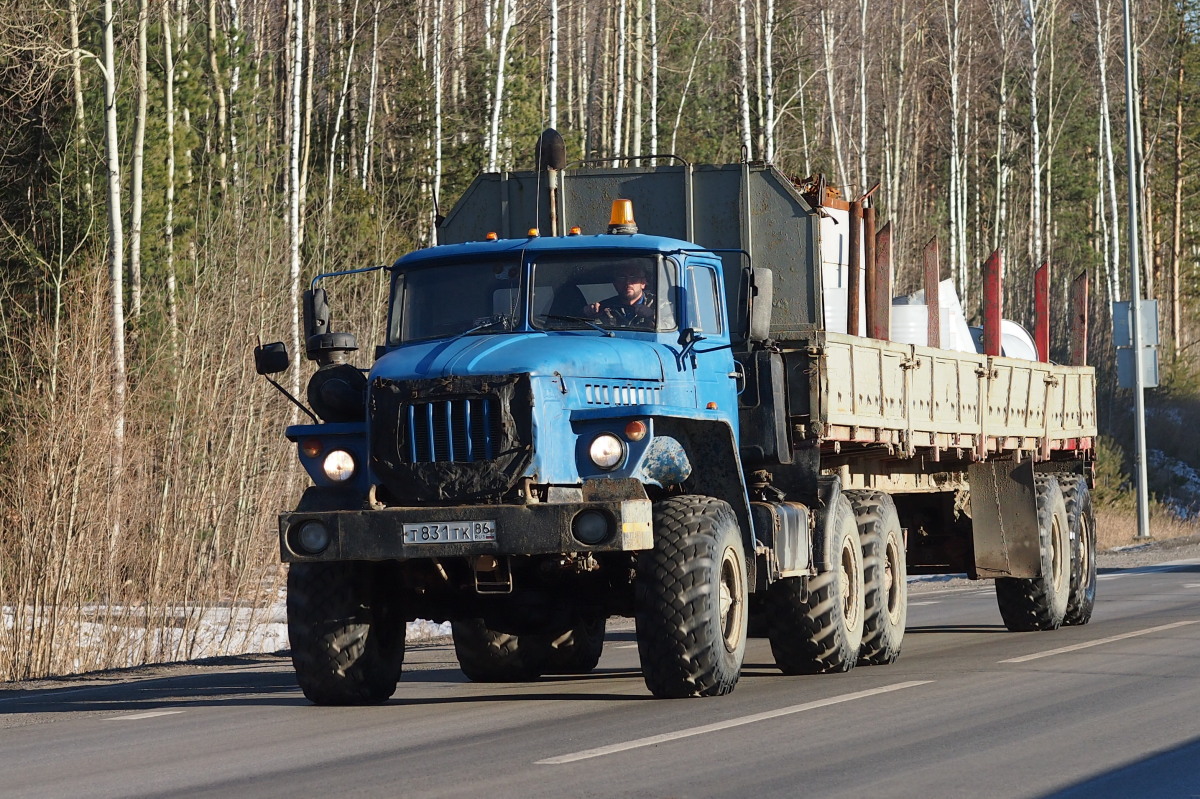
(271, 359)
(762, 293)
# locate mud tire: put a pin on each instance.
(885, 577)
(578, 650)
(690, 599)
(1040, 603)
(1082, 524)
(817, 628)
(487, 655)
(346, 631)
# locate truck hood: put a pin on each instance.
(568, 354)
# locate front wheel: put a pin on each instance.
(691, 599)
(346, 632)
(1040, 603)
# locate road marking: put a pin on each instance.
(654, 740)
(149, 714)
(1097, 642)
(625, 646)
(931, 602)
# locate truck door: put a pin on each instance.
(712, 358)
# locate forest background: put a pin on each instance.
(172, 172)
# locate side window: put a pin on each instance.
(704, 307)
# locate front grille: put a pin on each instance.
(461, 430)
(450, 439)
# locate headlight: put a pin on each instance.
(338, 466)
(606, 451)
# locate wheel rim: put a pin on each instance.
(891, 585)
(1056, 554)
(849, 570)
(730, 599)
(1085, 552)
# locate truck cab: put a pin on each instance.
(533, 401)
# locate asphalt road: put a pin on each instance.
(1109, 709)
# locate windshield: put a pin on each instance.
(612, 292)
(451, 299)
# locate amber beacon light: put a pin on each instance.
(621, 219)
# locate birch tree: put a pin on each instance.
(116, 248)
(507, 12)
(136, 162)
(744, 82)
(294, 186)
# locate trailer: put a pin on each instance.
(729, 446)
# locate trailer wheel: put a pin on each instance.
(487, 655)
(1082, 525)
(885, 577)
(347, 636)
(818, 628)
(578, 650)
(690, 599)
(1040, 603)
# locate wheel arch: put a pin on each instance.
(716, 471)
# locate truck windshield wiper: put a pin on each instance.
(580, 320)
(503, 321)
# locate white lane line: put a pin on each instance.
(625, 646)
(931, 602)
(1098, 641)
(654, 740)
(149, 714)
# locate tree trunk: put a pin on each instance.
(619, 81)
(218, 93)
(828, 48)
(769, 83)
(1113, 272)
(169, 221)
(552, 79)
(744, 82)
(295, 191)
(507, 11)
(1177, 209)
(116, 277)
(135, 181)
(1036, 253)
(372, 98)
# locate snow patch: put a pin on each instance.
(1180, 483)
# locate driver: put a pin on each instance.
(633, 306)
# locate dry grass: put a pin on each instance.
(1118, 527)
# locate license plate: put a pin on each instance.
(450, 532)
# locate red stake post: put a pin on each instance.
(1079, 319)
(854, 279)
(881, 315)
(933, 302)
(1041, 312)
(993, 302)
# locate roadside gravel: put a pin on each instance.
(1151, 553)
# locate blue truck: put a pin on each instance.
(604, 422)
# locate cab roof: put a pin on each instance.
(637, 242)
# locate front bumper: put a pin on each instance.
(535, 529)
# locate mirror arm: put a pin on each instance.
(293, 400)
